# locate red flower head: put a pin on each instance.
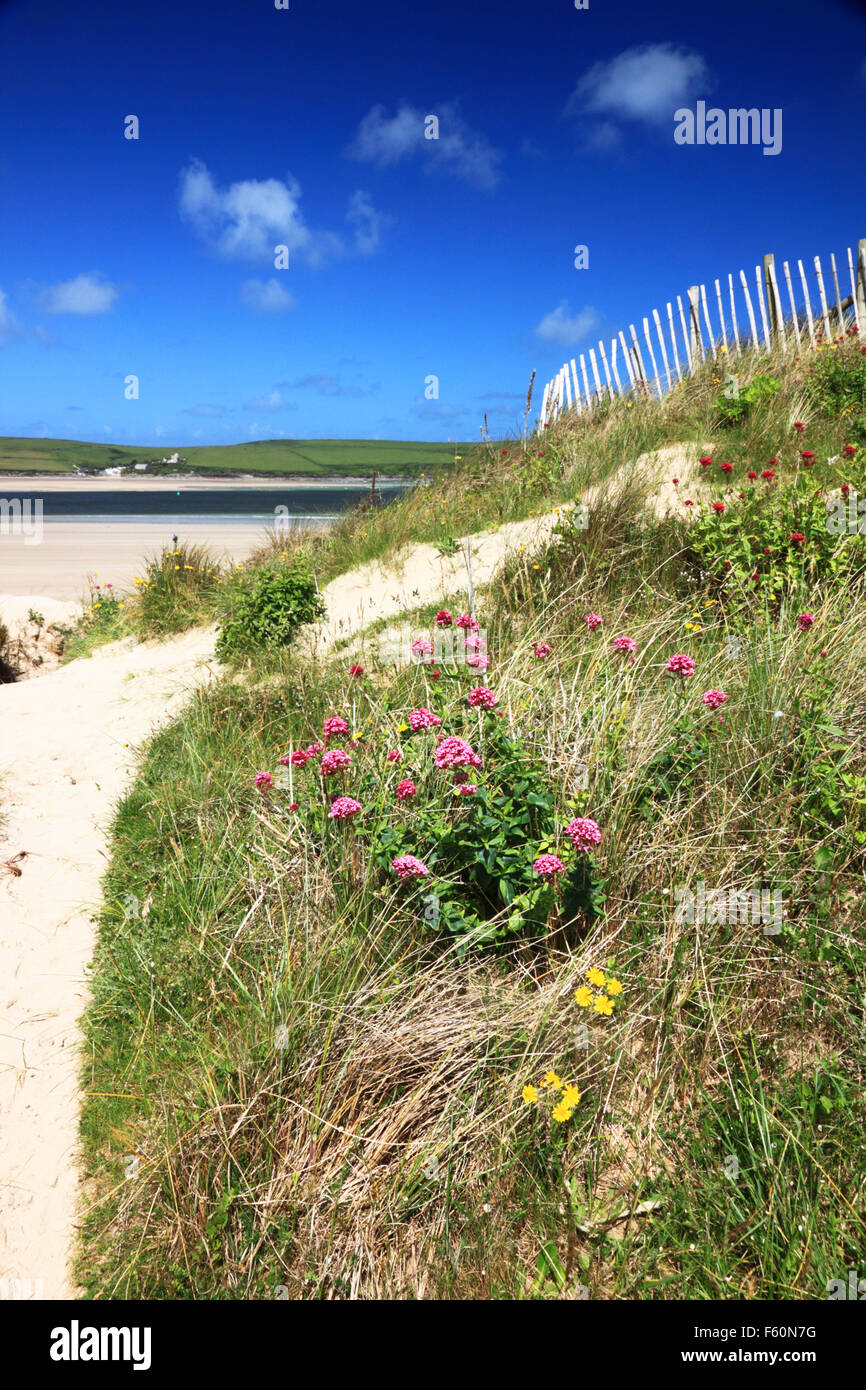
(444, 618)
(718, 506)
(799, 426)
(768, 474)
(849, 450)
(752, 475)
(727, 468)
(797, 537)
(356, 670)
(705, 462)
(808, 457)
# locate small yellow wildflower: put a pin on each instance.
(550, 1078)
(603, 1005)
(613, 985)
(570, 1096)
(401, 728)
(529, 1094)
(583, 996)
(596, 977)
(561, 1113)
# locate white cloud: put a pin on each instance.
(9, 326)
(645, 83)
(248, 219)
(268, 403)
(459, 150)
(266, 296)
(557, 327)
(207, 412)
(86, 294)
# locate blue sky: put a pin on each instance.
(409, 258)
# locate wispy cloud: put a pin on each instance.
(563, 329)
(459, 150)
(646, 83)
(269, 403)
(325, 385)
(205, 412)
(267, 296)
(247, 219)
(86, 295)
(10, 328)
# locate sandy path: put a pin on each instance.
(64, 762)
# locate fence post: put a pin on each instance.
(695, 340)
(768, 261)
(861, 284)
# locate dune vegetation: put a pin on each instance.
(532, 965)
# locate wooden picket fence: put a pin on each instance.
(625, 370)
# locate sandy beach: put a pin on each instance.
(110, 552)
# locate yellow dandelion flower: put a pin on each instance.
(401, 728)
(603, 1005)
(529, 1094)
(562, 1113)
(570, 1096)
(583, 996)
(550, 1078)
(596, 977)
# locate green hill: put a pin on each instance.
(318, 457)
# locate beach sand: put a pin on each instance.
(111, 552)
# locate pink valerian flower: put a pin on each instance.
(681, 665)
(752, 475)
(541, 649)
(423, 719)
(807, 456)
(405, 789)
(335, 760)
(849, 450)
(478, 661)
(768, 474)
(480, 697)
(467, 622)
(593, 621)
(806, 620)
(264, 779)
(421, 647)
(799, 426)
(797, 537)
(342, 807)
(356, 670)
(705, 461)
(334, 725)
(456, 752)
(727, 468)
(583, 833)
(407, 866)
(548, 866)
(718, 506)
(434, 674)
(688, 502)
(713, 699)
(466, 789)
(474, 643)
(294, 805)
(444, 618)
(395, 756)
(624, 644)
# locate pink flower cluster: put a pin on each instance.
(805, 621)
(681, 665)
(456, 752)
(444, 618)
(264, 779)
(334, 760)
(583, 833)
(407, 866)
(541, 649)
(479, 661)
(713, 698)
(467, 622)
(548, 866)
(405, 789)
(303, 755)
(421, 647)
(342, 807)
(334, 725)
(395, 756)
(593, 621)
(466, 788)
(480, 697)
(624, 644)
(423, 719)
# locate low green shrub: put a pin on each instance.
(267, 608)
